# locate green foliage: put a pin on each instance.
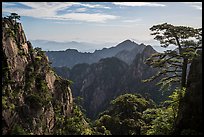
(70, 82)
(17, 91)
(9, 33)
(18, 130)
(127, 104)
(41, 84)
(34, 100)
(160, 121)
(39, 52)
(8, 81)
(100, 129)
(38, 58)
(124, 117)
(73, 125)
(21, 52)
(173, 64)
(12, 32)
(31, 50)
(30, 76)
(12, 107)
(14, 16)
(79, 101)
(175, 97)
(44, 92)
(76, 125)
(4, 102)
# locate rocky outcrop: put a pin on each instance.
(129, 55)
(98, 83)
(190, 118)
(32, 94)
(139, 71)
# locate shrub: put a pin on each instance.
(34, 101)
(38, 58)
(161, 120)
(18, 130)
(21, 52)
(4, 102)
(124, 117)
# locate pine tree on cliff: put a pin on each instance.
(173, 64)
(15, 17)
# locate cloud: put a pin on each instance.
(50, 10)
(94, 6)
(81, 10)
(138, 4)
(196, 5)
(132, 21)
(87, 17)
(8, 4)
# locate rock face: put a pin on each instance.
(139, 71)
(126, 51)
(129, 55)
(190, 118)
(32, 94)
(98, 83)
(103, 81)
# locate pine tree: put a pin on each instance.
(14, 16)
(173, 63)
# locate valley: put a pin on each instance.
(53, 84)
(114, 74)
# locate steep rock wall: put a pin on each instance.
(190, 119)
(32, 94)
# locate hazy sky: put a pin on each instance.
(101, 21)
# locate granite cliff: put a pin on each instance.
(33, 96)
(190, 117)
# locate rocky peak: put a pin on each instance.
(129, 54)
(148, 50)
(33, 96)
(141, 57)
(72, 50)
(127, 45)
(126, 42)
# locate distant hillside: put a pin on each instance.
(126, 51)
(100, 82)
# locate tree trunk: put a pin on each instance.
(183, 83)
(184, 72)
(183, 78)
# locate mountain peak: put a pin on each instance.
(127, 42)
(148, 50)
(148, 47)
(72, 50)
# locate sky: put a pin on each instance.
(101, 22)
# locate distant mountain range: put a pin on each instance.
(47, 45)
(125, 51)
(110, 72)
